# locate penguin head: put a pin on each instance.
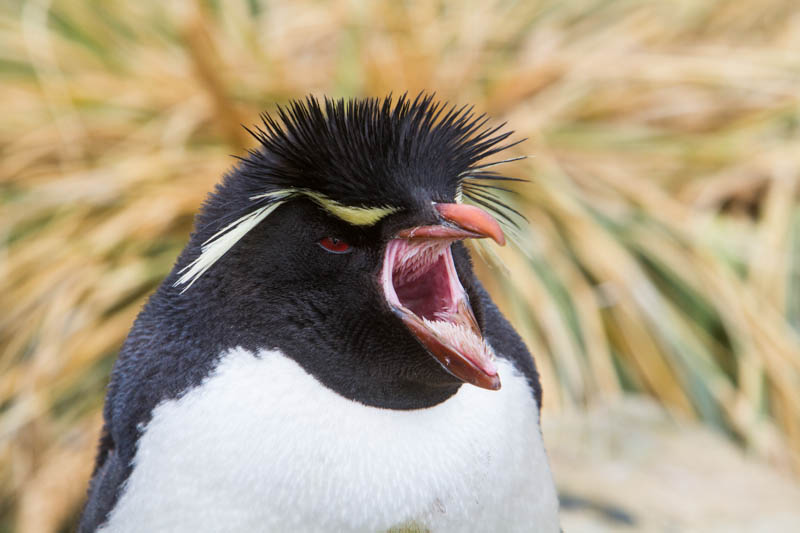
(338, 241)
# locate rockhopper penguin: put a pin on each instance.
(322, 357)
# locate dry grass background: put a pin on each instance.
(663, 248)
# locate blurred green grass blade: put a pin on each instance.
(793, 284)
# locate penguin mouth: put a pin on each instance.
(422, 287)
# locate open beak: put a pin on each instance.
(421, 285)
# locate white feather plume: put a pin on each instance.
(222, 241)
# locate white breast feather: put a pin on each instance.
(262, 446)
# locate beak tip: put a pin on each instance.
(493, 383)
(473, 219)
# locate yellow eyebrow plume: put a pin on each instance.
(358, 216)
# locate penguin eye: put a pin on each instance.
(334, 245)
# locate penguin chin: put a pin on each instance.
(422, 287)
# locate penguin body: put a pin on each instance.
(315, 461)
(322, 357)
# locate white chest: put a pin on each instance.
(262, 446)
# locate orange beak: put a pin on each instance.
(468, 222)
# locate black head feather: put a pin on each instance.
(372, 152)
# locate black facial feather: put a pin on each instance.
(481, 195)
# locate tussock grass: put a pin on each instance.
(663, 249)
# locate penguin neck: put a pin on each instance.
(373, 378)
(386, 369)
(385, 389)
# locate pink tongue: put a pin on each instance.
(428, 296)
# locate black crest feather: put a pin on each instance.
(373, 152)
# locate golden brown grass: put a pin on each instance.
(664, 242)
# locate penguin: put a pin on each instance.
(322, 356)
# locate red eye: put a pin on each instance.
(334, 245)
